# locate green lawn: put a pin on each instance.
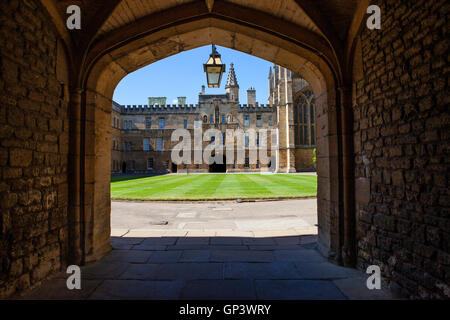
(214, 186)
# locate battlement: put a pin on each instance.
(256, 108)
(166, 108)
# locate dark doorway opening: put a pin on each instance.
(174, 168)
(218, 167)
(124, 167)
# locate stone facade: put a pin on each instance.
(141, 134)
(34, 131)
(401, 132)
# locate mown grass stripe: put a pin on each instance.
(214, 186)
(289, 188)
(145, 191)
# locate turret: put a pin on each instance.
(251, 96)
(232, 87)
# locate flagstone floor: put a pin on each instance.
(217, 251)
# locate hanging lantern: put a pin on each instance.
(214, 69)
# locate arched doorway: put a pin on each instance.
(110, 65)
(218, 167)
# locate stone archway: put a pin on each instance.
(91, 238)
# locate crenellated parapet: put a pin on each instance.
(159, 109)
(256, 108)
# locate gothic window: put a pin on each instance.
(185, 123)
(270, 121)
(148, 122)
(304, 119)
(146, 144)
(312, 110)
(159, 144)
(150, 163)
(223, 118)
(211, 118)
(217, 115)
(259, 120)
(162, 123)
(246, 120)
(205, 118)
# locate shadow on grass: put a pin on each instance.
(135, 177)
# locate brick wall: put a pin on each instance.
(402, 144)
(33, 148)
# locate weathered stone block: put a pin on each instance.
(20, 157)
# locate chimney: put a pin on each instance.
(203, 89)
(181, 100)
(251, 96)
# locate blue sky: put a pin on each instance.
(182, 75)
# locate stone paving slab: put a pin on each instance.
(356, 289)
(259, 241)
(226, 241)
(193, 240)
(219, 290)
(297, 290)
(234, 233)
(103, 269)
(287, 240)
(274, 270)
(221, 260)
(175, 233)
(56, 289)
(131, 256)
(136, 233)
(308, 239)
(271, 224)
(276, 247)
(174, 271)
(195, 256)
(201, 233)
(119, 232)
(325, 271)
(126, 241)
(150, 247)
(301, 255)
(209, 225)
(205, 247)
(241, 256)
(165, 256)
(139, 290)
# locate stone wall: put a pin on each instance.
(401, 127)
(33, 148)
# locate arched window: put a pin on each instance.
(304, 119)
(205, 118)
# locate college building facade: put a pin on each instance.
(141, 134)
